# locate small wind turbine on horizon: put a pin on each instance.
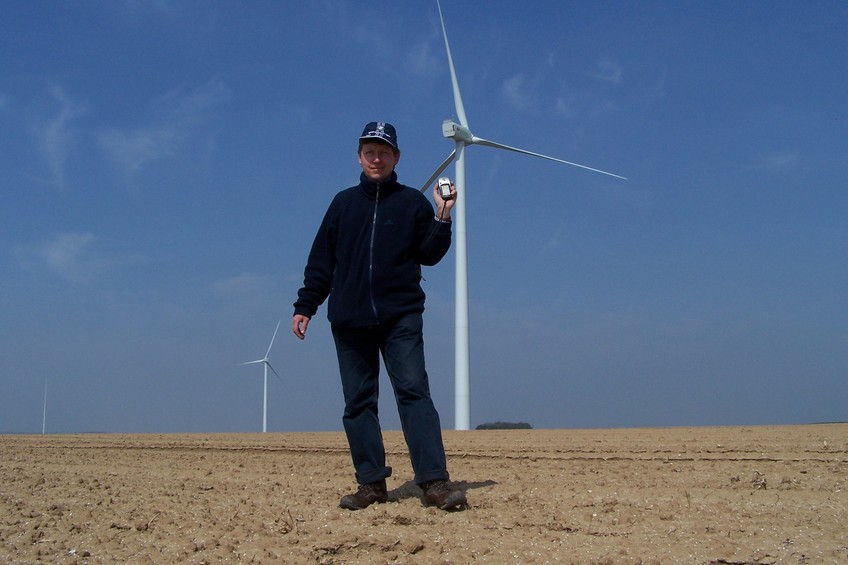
(44, 411)
(462, 137)
(267, 363)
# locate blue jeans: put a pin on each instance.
(401, 344)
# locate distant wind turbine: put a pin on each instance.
(265, 361)
(462, 137)
(44, 411)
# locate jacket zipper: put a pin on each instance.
(371, 256)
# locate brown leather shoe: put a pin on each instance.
(366, 496)
(441, 494)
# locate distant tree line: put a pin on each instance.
(505, 426)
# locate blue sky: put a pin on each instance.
(165, 166)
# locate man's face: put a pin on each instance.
(378, 160)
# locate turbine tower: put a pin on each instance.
(462, 137)
(267, 365)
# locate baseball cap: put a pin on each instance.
(381, 131)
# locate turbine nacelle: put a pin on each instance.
(457, 132)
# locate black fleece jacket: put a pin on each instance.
(368, 253)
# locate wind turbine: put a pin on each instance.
(462, 137)
(44, 411)
(267, 364)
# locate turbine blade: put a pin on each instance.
(252, 362)
(486, 142)
(457, 98)
(441, 168)
(272, 339)
(273, 371)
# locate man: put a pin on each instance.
(367, 258)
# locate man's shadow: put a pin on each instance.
(410, 490)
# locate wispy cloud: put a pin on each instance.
(421, 60)
(133, 149)
(566, 107)
(515, 92)
(552, 244)
(65, 255)
(179, 116)
(74, 257)
(608, 71)
(571, 107)
(776, 161)
(55, 137)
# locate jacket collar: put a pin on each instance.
(369, 187)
